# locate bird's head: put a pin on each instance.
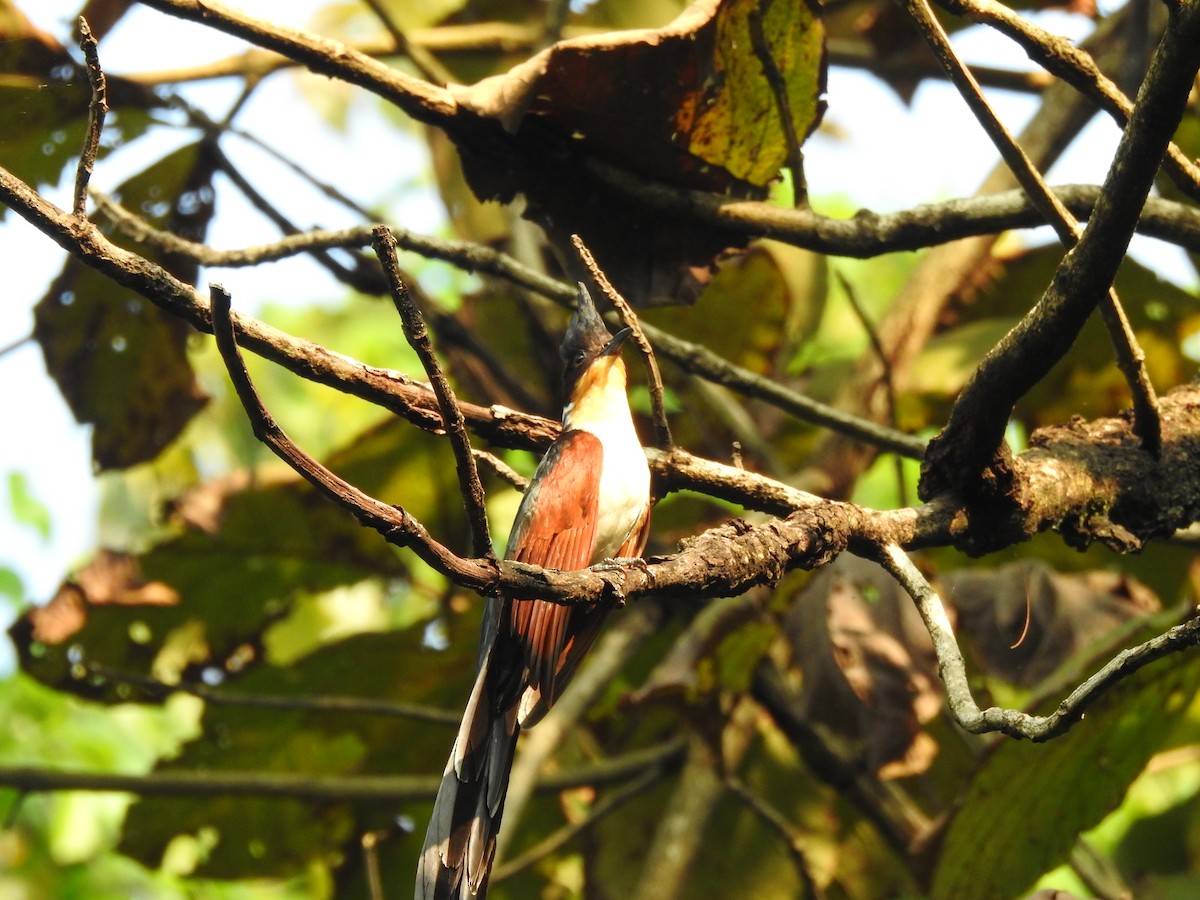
(588, 350)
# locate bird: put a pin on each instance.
(588, 501)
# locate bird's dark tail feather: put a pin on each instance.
(460, 842)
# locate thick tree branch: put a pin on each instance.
(945, 274)
(1130, 358)
(423, 101)
(966, 448)
(455, 426)
(944, 522)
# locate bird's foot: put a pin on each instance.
(616, 564)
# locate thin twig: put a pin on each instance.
(662, 429)
(601, 808)
(699, 360)
(15, 344)
(425, 61)
(885, 364)
(324, 187)
(783, 104)
(456, 429)
(308, 703)
(370, 846)
(778, 823)
(386, 790)
(501, 469)
(138, 229)
(361, 279)
(554, 22)
(1130, 358)
(97, 109)
(1013, 722)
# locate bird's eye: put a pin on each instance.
(580, 357)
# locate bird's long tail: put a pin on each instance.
(460, 842)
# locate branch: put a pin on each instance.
(138, 229)
(863, 236)
(1042, 502)
(662, 428)
(601, 808)
(966, 447)
(466, 37)
(699, 360)
(1147, 498)
(1075, 66)
(1012, 722)
(97, 109)
(418, 336)
(159, 690)
(778, 823)
(692, 357)
(680, 827)
(425, 61)
(381, 789)
(783, 106)
(436, 106)
(885, 365)
(423, 101)
(899, 823)
(386, 388)
(604, 663)
(940, 275)
(396, 525)
(1130, 358)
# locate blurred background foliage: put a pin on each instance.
(228, 602)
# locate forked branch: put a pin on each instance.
(1013, 722)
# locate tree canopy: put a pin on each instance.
(916, 616)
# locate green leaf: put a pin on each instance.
(11, 585)
(26, 508)
(1029, 802)
(737, 125)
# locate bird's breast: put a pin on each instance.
(624, 488)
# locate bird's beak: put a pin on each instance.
(614, 346)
